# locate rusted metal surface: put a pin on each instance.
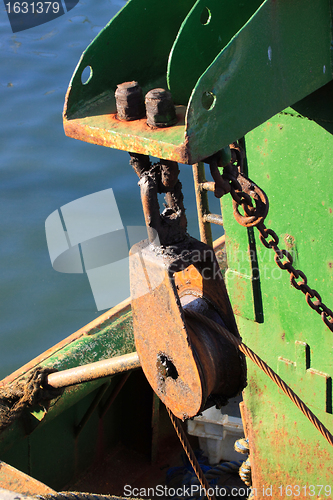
(94, 371)
(185, 363)
(213, 219)
(223, 367)
(129, 101)
(268, 371)
(15, 480)
(242, 195)
(160, 109)
(284, 455)
(105, 129)
(202, 201)
(243, 190)
(162, 177)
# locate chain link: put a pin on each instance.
(298, 279)
(243, 191)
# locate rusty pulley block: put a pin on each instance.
(188, 365)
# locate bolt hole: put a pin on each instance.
(86, 75)
(208, 100)
(166, 367)
(205, 16)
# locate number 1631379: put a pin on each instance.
(32, 7)
(305, 491)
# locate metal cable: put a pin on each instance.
(190, 454)
(266, 369)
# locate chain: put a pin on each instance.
(244, 192)
(297, 278)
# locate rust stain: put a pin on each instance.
(270, 443)
(135, 136)
(184, 362)
(14, 480)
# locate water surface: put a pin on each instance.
(41, 170)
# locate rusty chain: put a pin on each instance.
(295, 274)
(244, 192)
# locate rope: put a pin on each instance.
(266, 369)
(242, 446)
(16, 397)
(76, 495)
(190, 453)
(184, 479)
(245, 472)
(224, 468)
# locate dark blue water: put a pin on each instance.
(41, 170)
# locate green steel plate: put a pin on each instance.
(205, 32)
(282, 54)
(231, 67)
(290, 158)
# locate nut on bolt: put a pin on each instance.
(160, 109)
(129, 101)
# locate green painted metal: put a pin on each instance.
(113, 338)
(45, 445)
(282, 54)
(208, 28)
(54, 455)
(231, 66)
(245, 64)
(290, 157)
(134, 46)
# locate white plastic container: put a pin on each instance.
(217, 434)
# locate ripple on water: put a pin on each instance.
(41, 170)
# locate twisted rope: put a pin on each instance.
(223, 468)
(266, 369)
(16, 397)
(76, 495)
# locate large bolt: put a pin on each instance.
(160, 108)
(129, 101)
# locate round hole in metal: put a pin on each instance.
(166, 367)
(86, 75)
(208, 100)
(205, 16)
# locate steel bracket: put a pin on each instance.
(230, 66)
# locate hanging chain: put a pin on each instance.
(297, 278)
(244, 192)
